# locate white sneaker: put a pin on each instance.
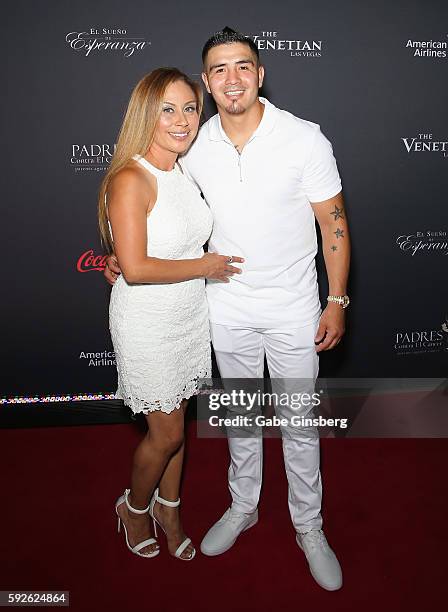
(224, 533)
(324, 566)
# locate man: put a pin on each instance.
(267, 176)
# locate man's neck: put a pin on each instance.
(239, 128)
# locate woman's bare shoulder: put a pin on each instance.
(134, 181)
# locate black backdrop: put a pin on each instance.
(365, 71)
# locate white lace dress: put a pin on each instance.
(160, 332)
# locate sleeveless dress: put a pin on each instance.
(160, 332)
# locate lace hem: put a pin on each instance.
(167, 405)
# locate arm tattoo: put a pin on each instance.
(339, 233)
(337, 212)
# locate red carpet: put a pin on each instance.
(384, 507)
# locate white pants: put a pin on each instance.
(290, 354)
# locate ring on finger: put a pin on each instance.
(229, 259)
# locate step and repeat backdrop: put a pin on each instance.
(372, 74)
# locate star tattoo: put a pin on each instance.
(337, 212)
(334, 248)
(339, 233)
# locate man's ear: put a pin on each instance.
(205, 80)
(260, 76)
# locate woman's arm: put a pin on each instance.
(127, 202)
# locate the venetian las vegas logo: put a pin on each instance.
(425, 142)
(271, 41)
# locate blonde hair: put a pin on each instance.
(138, 129)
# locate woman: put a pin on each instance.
(158, 312)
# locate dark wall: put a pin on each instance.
(361, 81)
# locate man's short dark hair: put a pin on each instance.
(226, 36)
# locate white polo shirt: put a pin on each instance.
(260, 202)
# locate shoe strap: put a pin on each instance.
(165, 502)
(144, 511)
(141, 545)
(182, 547)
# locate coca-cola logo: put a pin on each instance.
(88, 262)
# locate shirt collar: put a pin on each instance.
(216, 131)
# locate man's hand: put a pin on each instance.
(112, 270)
(331, 327)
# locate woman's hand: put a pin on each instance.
(218, 267)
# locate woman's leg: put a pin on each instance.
(162, 441)
(169, 489)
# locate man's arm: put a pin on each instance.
(332, 220)
(112, 269)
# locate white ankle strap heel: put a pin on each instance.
(165, 502)
(134, 510)
(138, 547)
(172, 504)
